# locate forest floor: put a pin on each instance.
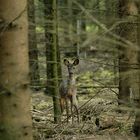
(103, 105)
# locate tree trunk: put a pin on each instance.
(33, 51)
(136, 126)
(81, 28)
(127, 52)
(70, 23)
(52, 55)
(71, 31)
(15, 117)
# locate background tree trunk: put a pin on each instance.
(33, 51)
(136, 126)
(52, 55)
(15, 117)
(127, 52)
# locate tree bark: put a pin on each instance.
(15, 117)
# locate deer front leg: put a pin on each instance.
(71, 103)
(75, 104)
(72, 111)
(77, 113)
(67, 110)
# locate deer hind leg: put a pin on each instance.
(62, 101)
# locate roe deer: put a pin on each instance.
(68, 90)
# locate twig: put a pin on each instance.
(105, 85)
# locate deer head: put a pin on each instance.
(71, 66)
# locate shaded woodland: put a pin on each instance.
(69, 69)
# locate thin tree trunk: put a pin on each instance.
(52, 55)
(15, 117)
(70, 23)
(81, 27)
(33, 51)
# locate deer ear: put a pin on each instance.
(76, 62)
(66, 62)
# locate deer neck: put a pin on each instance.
(71, 80)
